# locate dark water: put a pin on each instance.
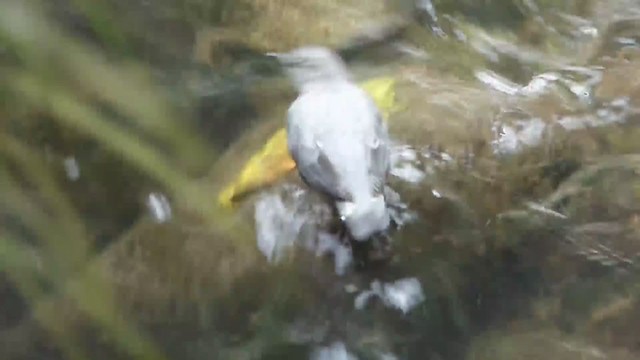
(516, 170)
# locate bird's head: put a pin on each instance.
(365, 218)
(311, 64)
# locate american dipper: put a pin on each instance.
(338, 140)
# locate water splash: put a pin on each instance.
(539, 84)
(398, 210)
(408, 173)
(277, 226)
(411, 51)
(289, 217)
(521, 134)
(427, 11)
(405, 164)
(335, 351)
(497, 82)
(387, 356)
(404, 294)
(515, 135)
(614, 112)
(330, 244)
(512, 139)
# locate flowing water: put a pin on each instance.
(515, 184)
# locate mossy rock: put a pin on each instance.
(540, 344)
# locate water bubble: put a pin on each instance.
(350, 288)
(159, 207)
(72, 168)
(588, 30)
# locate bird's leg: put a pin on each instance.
(359, 249)
(359, 252)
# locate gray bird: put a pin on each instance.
(338, 139)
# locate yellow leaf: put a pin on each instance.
(383, 92)
(273, 161)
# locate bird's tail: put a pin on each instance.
(365, 218)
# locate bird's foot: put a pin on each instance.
(343, 234)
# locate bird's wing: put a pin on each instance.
(314, 166)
